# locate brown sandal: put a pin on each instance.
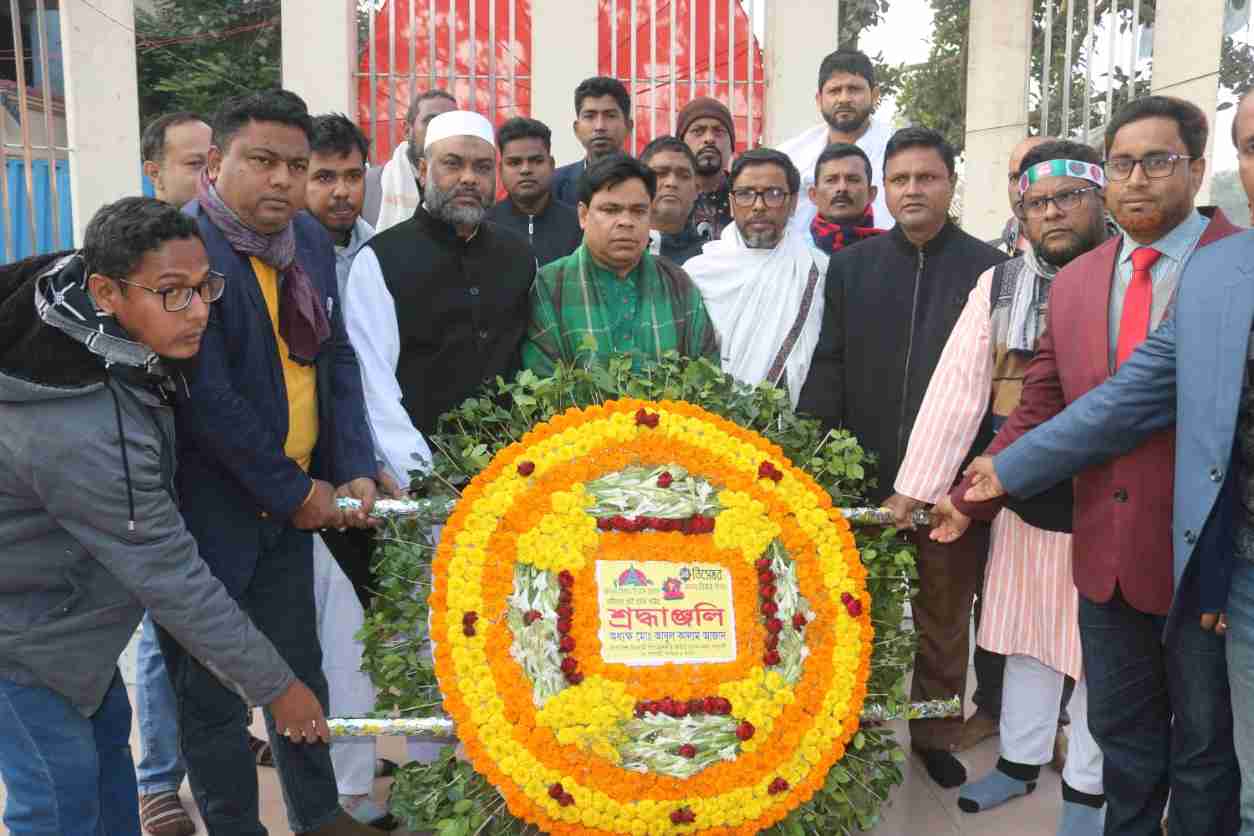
(262, 753)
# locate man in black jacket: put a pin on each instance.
(890, 305)
(529, 208)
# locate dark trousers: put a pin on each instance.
(950, 577)
(990, 667)
(1160, 712)
(213, 719)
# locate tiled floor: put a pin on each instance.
(918, 808)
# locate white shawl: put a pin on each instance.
(399, 184)
(754, 298)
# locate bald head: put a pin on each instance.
(1016, 159)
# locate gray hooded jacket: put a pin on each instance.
(90, 533)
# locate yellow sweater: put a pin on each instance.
(300, 381)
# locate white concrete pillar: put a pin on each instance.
(102, 105)
(319, 55)
(798, 35)
(1188, 40)
(999, 59)
(563, 53)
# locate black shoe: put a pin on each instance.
(945, 769)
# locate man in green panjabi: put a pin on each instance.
(611, 296)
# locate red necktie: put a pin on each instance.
(1137, 302)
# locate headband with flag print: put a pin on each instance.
(1062, 168)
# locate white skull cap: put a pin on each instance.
(459, 123)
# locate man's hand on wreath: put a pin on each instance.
(319, 509)
(364, 490)
(903, 507)
(389, 487)
(984, 482)
(948, 522)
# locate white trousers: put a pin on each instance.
(417, 749)
(1031, 693)
(351, 692)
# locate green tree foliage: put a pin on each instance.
(934, 93)
(192, 54)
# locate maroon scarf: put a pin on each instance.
(302, 320)
(831, 237)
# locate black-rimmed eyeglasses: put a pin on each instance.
(175, 299)
(773, 198)
(1037, 207)
(1155, 166)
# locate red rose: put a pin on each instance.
(605, 524)
(567, 645)
(745, 730)
(774, 625)
(798, 621)
(772, 641)
(777, 786)
(564, 597)
(771, 658)
(696, 706)
(566, 579)
(770, 608)
(688, 751)
(664, 479)
(563, 625)
(845, 598)
(470, 617)
(724, 706)
(762, 564)
(556, 791)
(766, 578)
(526, 468)
(564, 611)
(567, 799)
(710, 705)
(854, 607)
(574, 678)
(468, 629)
(767, 591)
(531, 617)
(569, 666)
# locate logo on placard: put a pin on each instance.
(632, 577)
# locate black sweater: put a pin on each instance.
(554, 233)
(889, 309)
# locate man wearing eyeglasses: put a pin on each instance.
(762, 280)
(90, 533)
(272, 429)
(889, 305)
(1159, 703)
(1031, 624)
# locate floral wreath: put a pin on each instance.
(578, 744)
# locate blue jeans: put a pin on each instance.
(160, 769)
(1160, 712)
(66, 774)
(1241, 678)
(213, 719)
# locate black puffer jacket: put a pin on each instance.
(889, 309)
